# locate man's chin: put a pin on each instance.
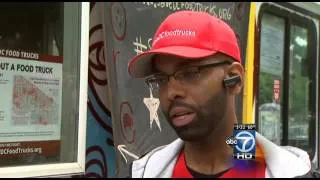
(190, 137)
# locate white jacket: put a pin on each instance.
(281, 161)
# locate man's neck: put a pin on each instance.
(208, 158)
(211, 155)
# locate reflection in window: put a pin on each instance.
(299, 82)
(31, 27)
(270, 76)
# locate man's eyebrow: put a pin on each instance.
(184, 63)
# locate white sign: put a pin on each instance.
(272, 45)
(31, 93)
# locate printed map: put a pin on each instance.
(34, 101)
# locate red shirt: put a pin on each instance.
(240, 169)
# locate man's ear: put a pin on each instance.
(235, 78)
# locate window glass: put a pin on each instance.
(39, 79)
(271, 76)
(299, 82)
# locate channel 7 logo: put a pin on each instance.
(243, 141)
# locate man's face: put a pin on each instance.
(195, 109)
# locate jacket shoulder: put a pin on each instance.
(126, 170)
(310, 174)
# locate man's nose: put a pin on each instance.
(175, 89)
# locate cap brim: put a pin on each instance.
(140, 66)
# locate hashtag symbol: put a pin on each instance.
(140, 47)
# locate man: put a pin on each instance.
(195, 66)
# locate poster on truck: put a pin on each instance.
(30, 108)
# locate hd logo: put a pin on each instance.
(243, 141)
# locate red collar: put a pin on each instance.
(241, 169)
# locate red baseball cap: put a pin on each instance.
(187, 34)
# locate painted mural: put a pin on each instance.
(100, 152)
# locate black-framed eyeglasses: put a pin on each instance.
(184, 76)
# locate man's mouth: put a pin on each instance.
(181, 116)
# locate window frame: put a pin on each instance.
(293, 16)
(77, 167)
